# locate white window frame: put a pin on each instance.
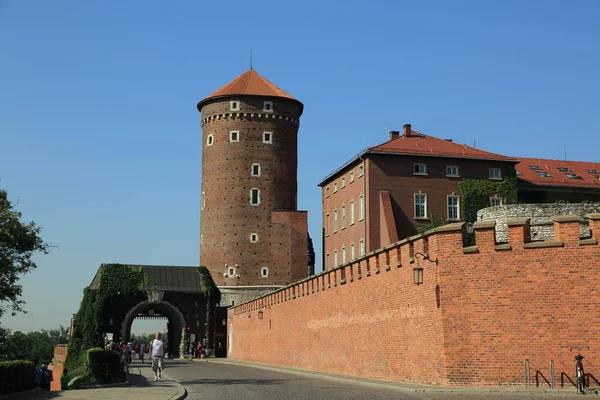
(257, 196)
(351, 212)
(343, 255)
(334, 187)
(361, 207)
(253, 237)
(424, 195)
(257, 165)
(335, 220)
(210, 139)
(201, 239)
(496, 199)
(236, 107)
(265, 103)
(362, 247)
(203, 200)
(264, 272)
(343, 216)
(327, 262)
(495, 173)
(419, 169)
(335, 259)
(351, 176)
(352, 254)
(231, 272)
(327, 228)
(237, 136)
(361, 170)
(343, 183)
(270, 140)
(453, 196)
(449, 171)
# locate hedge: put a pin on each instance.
(16, 376)
(105, 366)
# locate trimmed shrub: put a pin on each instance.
(105, 366)
(16, 376)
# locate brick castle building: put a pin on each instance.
(253, 239)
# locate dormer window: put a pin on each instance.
(534, 167)
(592, 171)
(268, 106)
(234, 105)
(544, 174)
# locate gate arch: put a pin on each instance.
(173, 314)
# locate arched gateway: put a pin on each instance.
(170, 292)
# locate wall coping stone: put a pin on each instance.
(593, 216)
(470, 250)
(502, 247)
(585, 242)
(518, 221)
(566, 218)
(453, 227)
(484, 224)
(543, 244)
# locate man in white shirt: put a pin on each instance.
(158, 356)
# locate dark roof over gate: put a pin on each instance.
(164, 277)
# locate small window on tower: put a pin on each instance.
(209, 140)
(268, 137)
(255, 196)
(268, 106)
(255, 169)
(234, 105)
(231, 272)
(253, 237)
(234, 136)
(264, 272)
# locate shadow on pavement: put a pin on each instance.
(234, 382)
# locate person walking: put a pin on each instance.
(158, 356)
(142, 350)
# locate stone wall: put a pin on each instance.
(540, 215)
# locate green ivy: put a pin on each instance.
(434, 222)
(212, 294)
(476, 194)
(118, 285)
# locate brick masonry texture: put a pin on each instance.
(540, 215)
(227, 217)
(477, 316)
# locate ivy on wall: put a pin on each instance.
(118, 285)
(212, 294)
(476, 194)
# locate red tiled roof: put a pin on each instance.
(425, 145)
(546, 172)
(250, 83)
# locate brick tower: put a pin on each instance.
(252, 238)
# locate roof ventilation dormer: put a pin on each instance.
(407, 130)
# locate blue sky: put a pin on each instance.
(101, 140)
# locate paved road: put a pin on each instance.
(219, 381)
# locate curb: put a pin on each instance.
(181, 391)
(397, 385)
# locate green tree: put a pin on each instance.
(18, 243)
(37, 346)
(212, 295)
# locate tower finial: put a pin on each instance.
(250, 59)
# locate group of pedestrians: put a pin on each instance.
(195, 350)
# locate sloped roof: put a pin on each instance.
(164, 277)
(544, 172)
(425, 145)
(250, 83)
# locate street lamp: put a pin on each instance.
(418, 270)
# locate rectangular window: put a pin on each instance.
(361, 170)
(327, 191)
(452, 170)
(343, 182)
(361, 211)
(335, 221)
(267, 106)
(352, 256)
(209, 140)
(234, 105)
(453, 208)
(362, 247)
(327, 225)
(420, 169)
(335, 259)
(334, 187)
(253, 237)
(268, 137)
(343, 255)
(343, 216)
(234, 136)
(231, 272)
(495, 201)
(327, 262)
(351, 176)
(255, 196)
(255, 169)
(420, 205)
(264, 272)
(351, 212)
(203, 200)
(495, 173)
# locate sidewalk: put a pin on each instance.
(141, 386)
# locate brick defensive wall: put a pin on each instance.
(478, 315)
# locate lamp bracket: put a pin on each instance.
(426, 257)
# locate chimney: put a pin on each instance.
(407, 130)
(394, 135)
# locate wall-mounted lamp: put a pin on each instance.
(260, 315)
(418, 270)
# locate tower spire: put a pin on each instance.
(250, 59)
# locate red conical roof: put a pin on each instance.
(250, 83)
